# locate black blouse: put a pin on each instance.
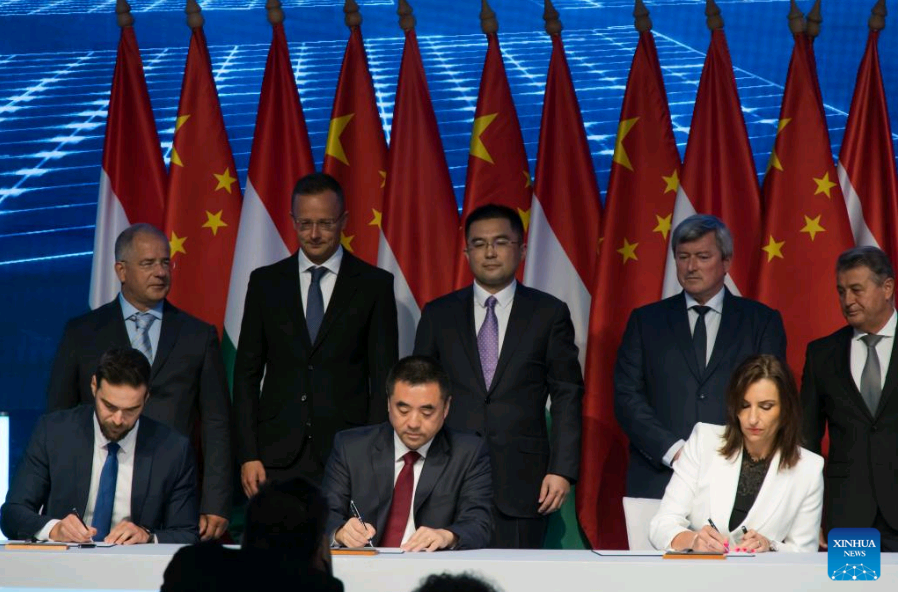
(751, 477)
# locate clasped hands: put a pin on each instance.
(355, 534)
(71, 530)
(709, 540)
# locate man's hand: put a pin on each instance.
(212, 526)
(71, 530)
(127, 533)
(429, 539)
(354, 533)
(252, 475)
(553, 493)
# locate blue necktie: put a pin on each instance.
(315, 303)
(142, 342)
(106, 493)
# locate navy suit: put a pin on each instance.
(54, 476)
(454, 490)
(659, 392)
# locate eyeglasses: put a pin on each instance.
(327, 224)
(150, 264)
(497, 244)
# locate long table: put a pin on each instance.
(141, 568)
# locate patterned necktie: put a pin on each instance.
(141, 341)
(871, 376)
(315, 303)
(102, 520)
(401, 506)
(700, 338)
(488, 342)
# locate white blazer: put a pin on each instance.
(787, 509)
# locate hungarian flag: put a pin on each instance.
(202, 212)
(280, 156)
(638, 209)
(867, 161)
(356, 153)
(805, 220)
(497, 164)
(132, 181)
(420, 218)
(719, 175)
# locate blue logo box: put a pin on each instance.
(853, 554)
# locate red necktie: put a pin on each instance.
(401, 506)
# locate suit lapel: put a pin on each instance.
(293, 310)
(172, 320)
(434, 465)
(383, 466)
(143, 464)
(679, 326)
(840, 363)
(82, 444)
(770, 496)
(468, 332)
(723, 476)
(891, 383)
(522, 310)
(726, 333)
(111, 327)
(344, 289)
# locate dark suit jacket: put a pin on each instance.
(187, 380)
(316, 388)
(538, 360)
(862, 469)
(453, 490)
(54, 476)
(659, 394)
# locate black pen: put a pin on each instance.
(78, 516)
(358, 516)
(744, 530)
(714, 526)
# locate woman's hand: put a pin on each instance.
(755, 542)
(709, 539)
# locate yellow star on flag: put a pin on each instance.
(346, 241)
(383, 175)
(812, 226)
(225, 180)
(525, 218)
(214, 222)
(663, 225)
(477, 147)
(773, 249)
(182, 119)
(176, 244)
(672, 183)
(175, 157)
(628, 251)
(774, 161)
(824, 185)
(334, 145)
(377, 220)
(528, 180)
(620, 153)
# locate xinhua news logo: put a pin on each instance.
(853, 554)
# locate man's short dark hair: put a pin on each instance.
(698, 225)
(125, 239)
(316, 184)
(286, 519)
(418, 370)
(872, 258)
(123, 366)
(493, 212)
(447, 582)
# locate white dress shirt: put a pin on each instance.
(328, 280)
(400, 450)
(121, 506)
(883, 351)
(504, 300)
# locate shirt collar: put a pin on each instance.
(400, 449)
(715, 303)
(887, 331)
(504, 297)
(128, 309)
(126, 444)
(332, 264)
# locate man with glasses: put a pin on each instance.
(320, 327)
(188, 379)
(507, 349)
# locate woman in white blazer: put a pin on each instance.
(748, 485)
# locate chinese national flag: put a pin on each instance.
(497, 164)
(867, 161)
(356, 153)
(806, 224)
(203, 209)
(719, 175)
(420, 217)
(638, 208)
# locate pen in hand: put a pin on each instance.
(726, 545)
(77, 515)
(358, 516)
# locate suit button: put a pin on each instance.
(308, 424)
(702, 397)
(873, 429)
(311, 367)
(303, 398)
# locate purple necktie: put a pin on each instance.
(488, 342)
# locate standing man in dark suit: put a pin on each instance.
(850, 382)
(423, 486)
(677, 355)
(320, 326)
(188, 379)
(507, 349)
(132, 479)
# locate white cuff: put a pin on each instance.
(672, 452)
(44, 533)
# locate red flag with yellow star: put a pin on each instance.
(497, 164)
(638, 209)
(805, 223)
(356, 153)
(203, 209)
